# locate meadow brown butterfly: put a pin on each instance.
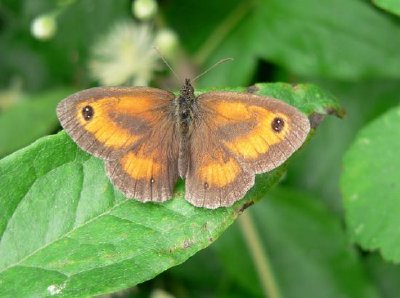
(149, 138)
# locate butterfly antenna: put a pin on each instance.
(212, 67)
(167, 64)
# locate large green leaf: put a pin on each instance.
(337, 39)
(66, 230)
(320, 173)
(371, 188)
(30, 119)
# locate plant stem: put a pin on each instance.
(221, 32)
(259, 256)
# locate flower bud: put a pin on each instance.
(44, 27)
(144, 9)
(166, 41)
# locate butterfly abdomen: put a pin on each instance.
(185, 120)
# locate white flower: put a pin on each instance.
(44, 27)
(125, 56)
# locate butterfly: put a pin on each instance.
(216, 141)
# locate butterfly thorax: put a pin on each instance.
(184, 108)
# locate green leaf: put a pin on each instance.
(371, 188)
(34, 117)
(307, 249)
(64, 223)
(392, 6)
(340, 39)
(320, 173)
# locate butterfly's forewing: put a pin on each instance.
(251, 134)
(133, 129)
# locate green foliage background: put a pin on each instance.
(329, 229)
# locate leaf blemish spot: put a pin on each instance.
(55, 289)
(359, 229)
(187, 243)
(354, 197)
(365, 141)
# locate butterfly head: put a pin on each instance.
(187, 90)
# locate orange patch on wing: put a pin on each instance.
(104, 129)
(261, 137)
(136, 106)
(219, 173)
(139, 166)
(228, 111)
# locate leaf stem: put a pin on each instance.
(259, 256)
